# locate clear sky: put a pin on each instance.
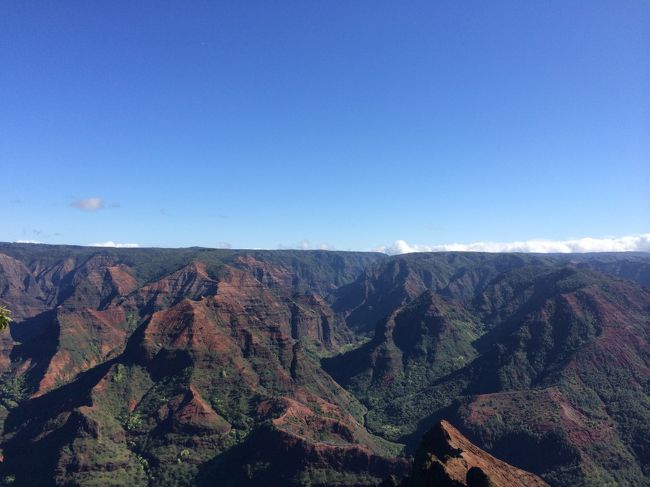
(347, 123)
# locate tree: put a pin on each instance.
(5, 318)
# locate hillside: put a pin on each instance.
(184, 366)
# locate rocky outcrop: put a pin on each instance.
(445, 458)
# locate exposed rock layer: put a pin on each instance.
(179, 367)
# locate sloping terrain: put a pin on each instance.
(544, 365)
(445, 458)
(220, 367)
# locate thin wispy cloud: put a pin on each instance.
(88, 204)
(115, 245)
(630, 243)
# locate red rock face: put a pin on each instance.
(87, 338)
(122, 279)
(446, 458)
(209, 366)
(19, 289)
(189, 326)
(96, 282)
(274, 277)
(190, 413)
(189, 282)
(313, 318)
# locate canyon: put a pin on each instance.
(234, 367)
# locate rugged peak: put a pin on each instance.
(446, 458)
(189, 282)
(18, 289)
(439, 441)
(191, 413)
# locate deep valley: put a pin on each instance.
(179, 367)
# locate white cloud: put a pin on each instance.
(630, 243)
(88, 204)
(28, 241)
(306, 245)
(110, 243)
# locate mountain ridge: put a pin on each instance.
(138, 352)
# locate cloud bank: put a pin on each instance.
(88, 204)
(630, 243)
(114, 245)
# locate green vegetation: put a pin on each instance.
(12, 391)
(132, 320)
(520, 334)
(5, 318)
(543, 361)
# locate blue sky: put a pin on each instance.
(346, 124)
